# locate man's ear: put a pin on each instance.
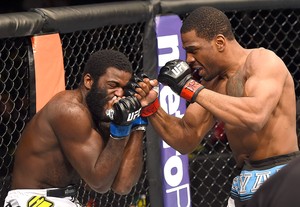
(88, 81)
(220, 42)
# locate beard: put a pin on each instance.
(96, 99)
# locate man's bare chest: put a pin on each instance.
(235, 85)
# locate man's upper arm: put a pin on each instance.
(267, 74)
(81, 144)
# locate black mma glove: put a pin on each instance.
(177, 74)
(122, 114)
(130, 91)
(133, 83)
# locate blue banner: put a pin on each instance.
(176, 186)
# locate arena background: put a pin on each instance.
(129, 27)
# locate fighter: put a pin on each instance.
(250, 90)
(94, 133)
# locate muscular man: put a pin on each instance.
(72, 137)
(250, 90)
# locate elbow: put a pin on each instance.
(100, 188)
(122, 190)
(118, 189)
(125, 185)
(185, 151)
(187, 148)
(190, 144)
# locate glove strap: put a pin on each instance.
(139, 124)
(139, 128)
(150, 109)
(119, 131)
(191, 90)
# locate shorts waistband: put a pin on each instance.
(271, 161)
(69, 191)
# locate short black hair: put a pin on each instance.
(99, 61)
(208, 22)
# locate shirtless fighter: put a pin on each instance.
(92, 133)
(250, 90)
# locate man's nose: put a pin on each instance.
(189, 58)
(119, 92)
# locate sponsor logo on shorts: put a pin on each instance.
(39, 201)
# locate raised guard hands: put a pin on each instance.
(147, 92)
(122, 115)
(177, 74)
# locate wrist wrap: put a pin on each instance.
(190, 90)
(150, 109)
(119, 131)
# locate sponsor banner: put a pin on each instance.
(176, 186)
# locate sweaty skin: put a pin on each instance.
(250, 90)
(62, 144)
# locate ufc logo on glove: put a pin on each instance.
(181, 67)
(133, 115)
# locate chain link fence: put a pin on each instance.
(212, 166)
(14, 103)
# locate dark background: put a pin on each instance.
(7, 6)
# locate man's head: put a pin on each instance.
(208, 22)
(101, 60)
(106, 73)
(206, 34)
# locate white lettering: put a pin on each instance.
(133, 115)
(244, 179)
(260, 178)
(168, 42)
(173, 171)
(177, 70)
(169, 100)
(181, 67)
(177, 190)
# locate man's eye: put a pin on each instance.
(191, 51)
(112, 85)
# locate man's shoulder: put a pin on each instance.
(67, 102)
(261, 57)
(260, 53)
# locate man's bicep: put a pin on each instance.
(265, 85)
